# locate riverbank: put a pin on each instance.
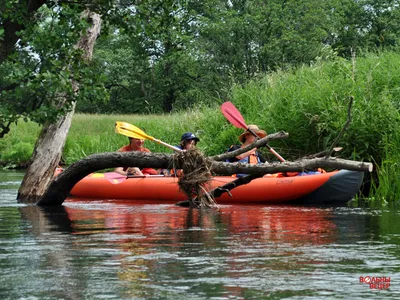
(310, 103)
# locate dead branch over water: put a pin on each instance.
(60, 187)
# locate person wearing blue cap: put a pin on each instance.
(188, 140)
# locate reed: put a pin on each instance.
(310, 103)
(387, 187)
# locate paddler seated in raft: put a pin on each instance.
(188, 141)
(252, 156)
(134, 145)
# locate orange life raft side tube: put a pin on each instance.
(343, 184)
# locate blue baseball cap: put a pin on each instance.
(189, 136)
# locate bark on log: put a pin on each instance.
(62, 184)
(259, 143)
(45, 158)
(48, 148)
(323, 153)
(60, 187)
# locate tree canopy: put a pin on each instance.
(161, 55)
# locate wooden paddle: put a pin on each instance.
(137, 133)
(235, 118)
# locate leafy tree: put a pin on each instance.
(246, 37)
(162, 55)
(153, 62)
(365, 24)
(382, 18)
(38, 60)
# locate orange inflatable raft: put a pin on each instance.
(331, 187)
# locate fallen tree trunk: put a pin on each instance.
(257, 144)
(39, 190)
(60, 187)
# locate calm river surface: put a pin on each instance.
(118, 250)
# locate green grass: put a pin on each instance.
(17, 146)
(387, 187)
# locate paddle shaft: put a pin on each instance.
(268, 146)
(166, 145)
(243, 125)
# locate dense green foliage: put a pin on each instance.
(173, 56)
(39, 63)
(310, 103)
(158, 56)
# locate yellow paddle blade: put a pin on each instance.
(137, 133)
(131, 131)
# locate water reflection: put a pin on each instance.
(156, 223)
(47, 219)
(119, 249)
(168, 247)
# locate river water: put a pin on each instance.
(129, 250)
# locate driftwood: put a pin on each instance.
(323, 153)
(196, 173)
(226, 188)
(345, 126)
(61, 185)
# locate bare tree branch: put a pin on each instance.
(343, 129)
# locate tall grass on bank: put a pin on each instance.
(99, 135)
(90, 134)
(17, 146)
(310, 103)
(388, 182)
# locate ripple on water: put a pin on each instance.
(110, 249)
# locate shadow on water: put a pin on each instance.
(57, 274)
(47, 219)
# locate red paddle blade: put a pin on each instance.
(233, 115)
